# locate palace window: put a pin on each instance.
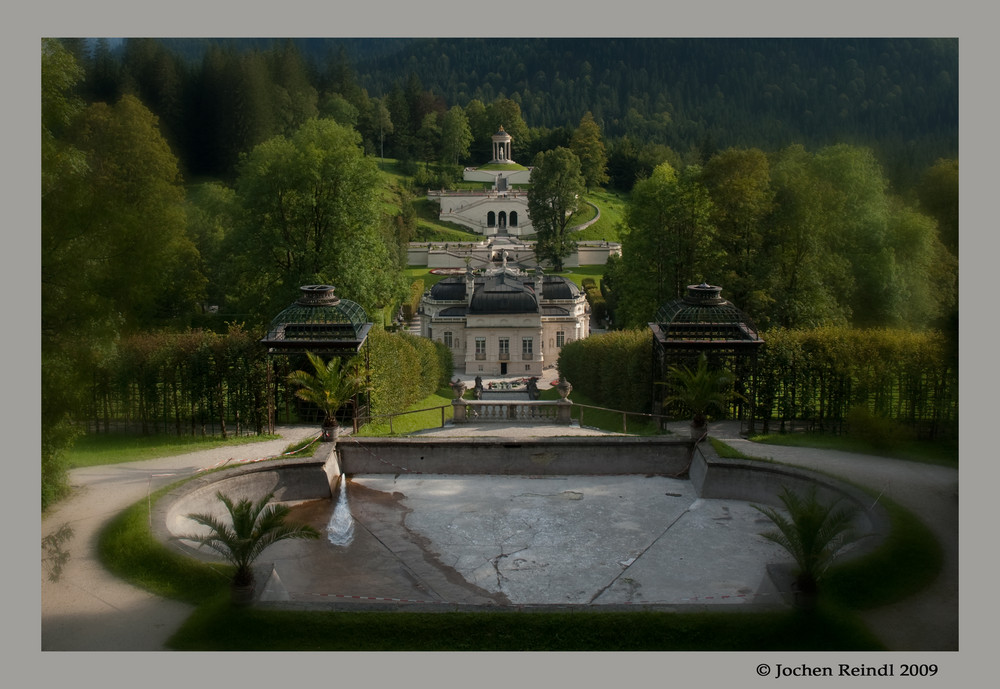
(480, 348)
(526, 348)
(447, 340)
(560, 338)
(504, 348)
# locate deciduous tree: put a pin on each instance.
(310, 214)
(554, 195)
(937, 192)
(667, 243)
(738, 181)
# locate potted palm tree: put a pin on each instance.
(814, 534)
(331, 386)
(251, 528)
(699, 390)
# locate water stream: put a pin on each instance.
(340, 529)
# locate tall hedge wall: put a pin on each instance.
(614, 367)
(819, 377)
(204, 383)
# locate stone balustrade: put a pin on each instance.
(508, 411)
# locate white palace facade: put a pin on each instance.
(504, 321)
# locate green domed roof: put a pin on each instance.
(703, 315)
(318, 321)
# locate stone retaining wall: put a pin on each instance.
(576, 455)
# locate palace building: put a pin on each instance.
(504, 321)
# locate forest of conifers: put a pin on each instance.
(217, 98)
(816, 180)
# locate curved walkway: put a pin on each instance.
(929, 620)
(88, 608)
(585, 225)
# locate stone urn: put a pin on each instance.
(564, 388)
(458, 388)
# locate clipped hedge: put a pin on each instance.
(613, 367)
(878, 380)
(405, 369)
(204, 383)
(193, 383)
(595, 297)
(830, 377)
(412, 303)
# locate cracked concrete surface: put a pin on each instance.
(567, 540)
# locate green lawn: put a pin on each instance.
(220, 627)
(113, 448)
(612, 205)
(944, 453)
(430, 229)
(580, 273)
(425, 414)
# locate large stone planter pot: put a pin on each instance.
(698, 431)
(330, 434)
(804, 598)
(243, 594)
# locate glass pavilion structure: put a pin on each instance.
(319, 322)
(702, 322)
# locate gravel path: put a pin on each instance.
(90, 609)
(928, 621)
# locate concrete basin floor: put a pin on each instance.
(440, 541)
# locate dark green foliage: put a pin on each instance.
(431, 375)
(330, 385)
(220, 627)
(554, 195)
(817, 376)
(613, 368)
(693, 96)
(699, 390)
(252, 527)
(446, 364)
(411, 305)
(598, 306)
(812, 532)
(808, 378)
(589, 148)
(310, 214)
(404, 368)
(181, 383)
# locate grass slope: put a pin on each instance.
(114, 448)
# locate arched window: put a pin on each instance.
(513, 218)
(491, 219)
